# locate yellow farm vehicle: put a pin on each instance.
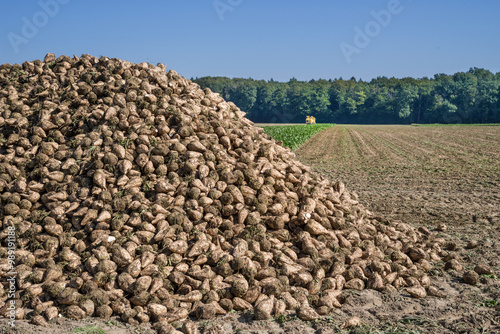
(310, 120)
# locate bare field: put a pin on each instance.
(425, 176)
(434, 174)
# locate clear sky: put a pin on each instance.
(262, 39)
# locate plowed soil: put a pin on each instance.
(448, 174)
(424, 176)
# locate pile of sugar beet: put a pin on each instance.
(135, 193)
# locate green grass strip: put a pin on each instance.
(294, 135)
(91, 329)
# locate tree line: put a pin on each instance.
(464, 97)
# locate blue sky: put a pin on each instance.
(276, 39)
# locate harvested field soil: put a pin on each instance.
(434, 174)
(426, 176)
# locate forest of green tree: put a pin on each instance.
(464, 97)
